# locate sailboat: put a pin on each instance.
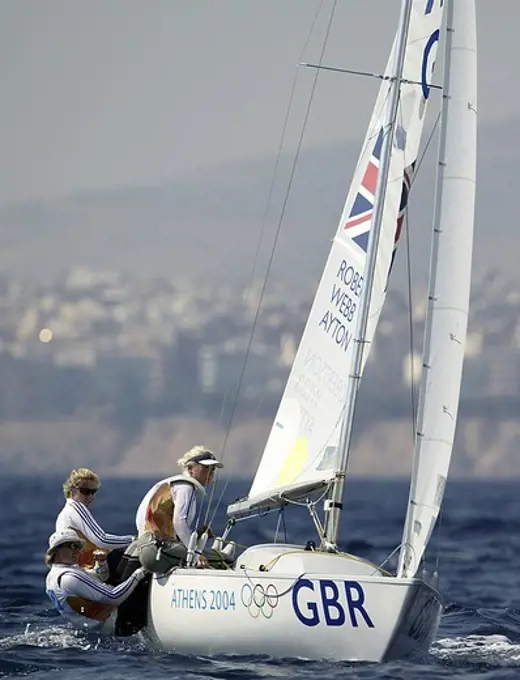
(314, 601)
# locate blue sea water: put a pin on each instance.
(478, 546)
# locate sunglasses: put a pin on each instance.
(73, 546)
(86, 491)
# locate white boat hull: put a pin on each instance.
(282, 601)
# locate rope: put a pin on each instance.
(278, 230)
(413, 400)
(410, 328)
(280, 522)
(278, 525)
(438, 541)
(278, 595)
(411, 335)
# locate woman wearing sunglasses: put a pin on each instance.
(82, 598)
(80, 490)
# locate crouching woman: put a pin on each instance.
(82, 598)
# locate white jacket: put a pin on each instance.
(84, 600)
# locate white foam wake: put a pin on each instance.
(495, 650)
(53, 636)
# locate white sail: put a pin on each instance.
(450, 275)
(302, 446)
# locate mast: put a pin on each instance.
(333, 505)
(449, 285)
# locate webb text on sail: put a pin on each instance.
(345, 302)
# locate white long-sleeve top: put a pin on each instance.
(69, 587)
(184, 497)
(77, 516)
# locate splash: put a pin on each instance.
(477, 650)
(65, 637)
(53, 636)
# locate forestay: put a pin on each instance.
(301, 449)
(450, 275)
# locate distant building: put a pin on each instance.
(182, 373)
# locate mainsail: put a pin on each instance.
(450, 275)
(301, 451)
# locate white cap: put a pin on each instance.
(62, 537)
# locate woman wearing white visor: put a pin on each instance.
(169, 510)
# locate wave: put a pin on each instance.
(53, 636)
(484, 652)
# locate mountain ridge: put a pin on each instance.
(211, 220)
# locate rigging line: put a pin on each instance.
(424, 151)
(389, 557)
(212, 491)
(411, 333)
(279, 225)
(368, 74)
(222, 408)
(410, 330)
(438, 541)
(264, 222)
(413, 400)
(306, 503)
(278, 523)
(366, 344)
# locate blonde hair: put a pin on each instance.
(185, 461)
(77, 476)
(49, 558)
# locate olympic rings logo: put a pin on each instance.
(258, 599)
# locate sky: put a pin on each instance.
(115, 93)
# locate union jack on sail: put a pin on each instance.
(360, 218)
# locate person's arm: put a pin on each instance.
(100, 570)
(82, 520)
(80, 584)
(184, 497)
